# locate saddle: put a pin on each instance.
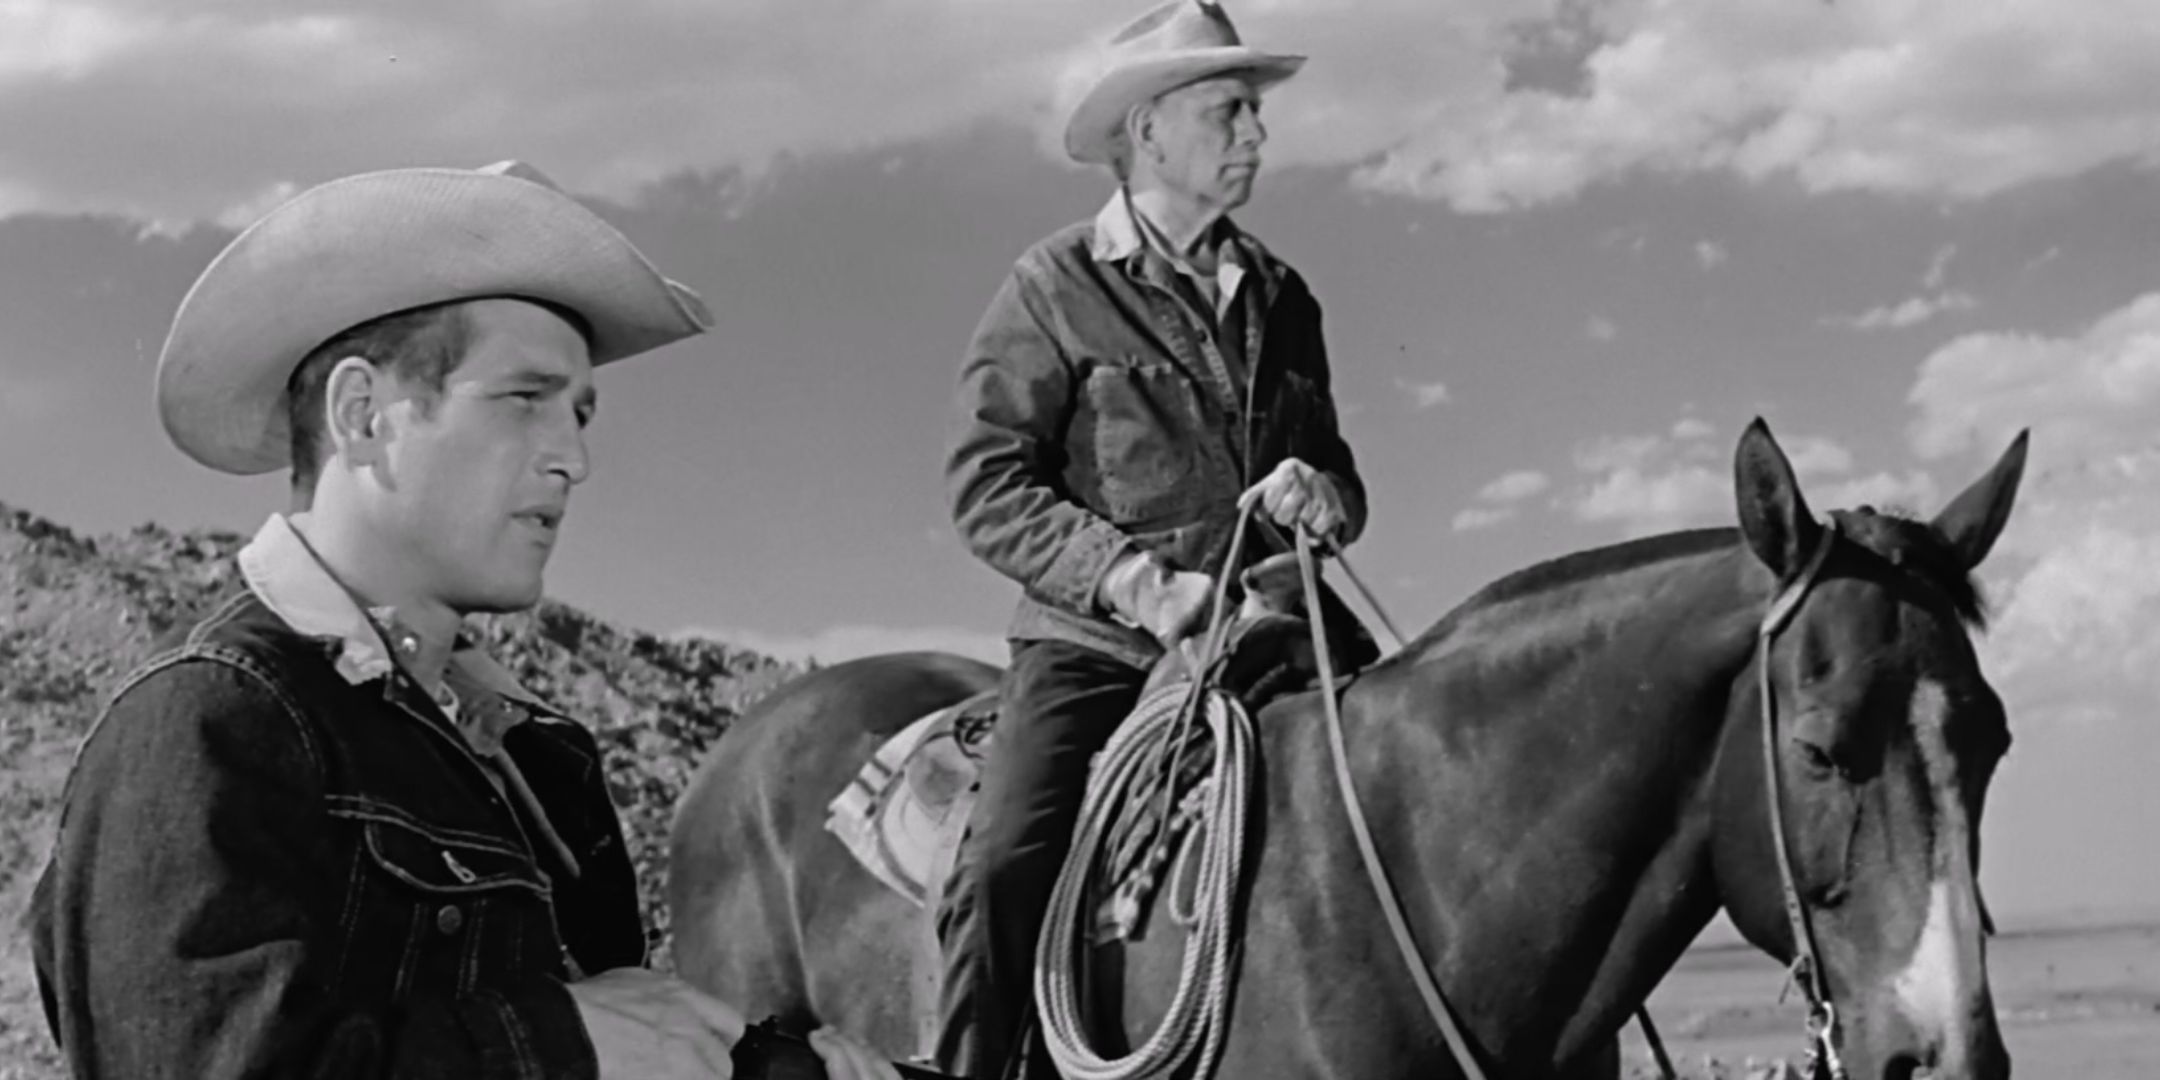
(903, 813)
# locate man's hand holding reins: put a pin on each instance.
(1297, 494)
(1169, 604)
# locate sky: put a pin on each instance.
(1566, 251)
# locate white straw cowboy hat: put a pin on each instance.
(365, 246)
(1174, 45)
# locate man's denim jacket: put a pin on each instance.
(264, 869)
(1096, 418)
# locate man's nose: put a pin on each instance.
(568, 457)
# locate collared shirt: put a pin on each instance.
(1121, 232)
(285, 574)
(1211, 313)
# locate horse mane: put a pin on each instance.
(1898, 537)
(1580, 567)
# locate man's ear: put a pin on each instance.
(1140, 129)
(353, 405)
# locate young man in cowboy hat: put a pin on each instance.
(1137, 382)
(320, 833)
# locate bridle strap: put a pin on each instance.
(1807, 963)
(1398, 925)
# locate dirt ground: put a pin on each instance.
(2076, 998)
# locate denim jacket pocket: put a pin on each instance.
(447, 862)
(450, 907)
(1142, 419)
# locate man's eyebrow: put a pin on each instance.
(588, 399)
(542, 380)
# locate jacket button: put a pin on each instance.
(449, 920)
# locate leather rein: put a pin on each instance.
(1822, 1020)
(1822, 1029)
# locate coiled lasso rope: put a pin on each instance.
(1150, 741)
(1196, 1018)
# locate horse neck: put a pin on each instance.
(1545, 766)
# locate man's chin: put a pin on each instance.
(503, 598)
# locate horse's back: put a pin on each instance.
(748, 853)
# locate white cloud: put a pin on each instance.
(847, 642)
(1938, 266)
(1499, 498)
(241, 214)
(1926, 96)
(160, 111)
(2077, 574)
(1481, 517)
(1643, 502)
(1600, 328)
(1912, 311)
(2041, 260)
(1651, 483)
(192, 111)
(1711, 254)
(1813, 455)
(1515, 486)
(1648, 484)
(1689, 427)
(1424, 395)
(2073, 638)
(1615, 452)
(2097, 392)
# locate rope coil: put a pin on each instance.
(1197, 1018)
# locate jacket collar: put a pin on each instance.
(286, 576)
(1120, 237)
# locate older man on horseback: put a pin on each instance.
(1139, 381)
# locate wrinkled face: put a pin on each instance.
(473, 487)
(1889, 735)
(1203, 141)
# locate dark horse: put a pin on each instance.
(1566, 781)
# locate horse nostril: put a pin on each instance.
(1905, 1067)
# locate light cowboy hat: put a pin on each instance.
(366, 246)
(1174, 45)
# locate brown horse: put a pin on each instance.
(1566, 781)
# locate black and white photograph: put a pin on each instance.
(1079, 539)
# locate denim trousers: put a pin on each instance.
(1060, 703)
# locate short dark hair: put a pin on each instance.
(421, 346)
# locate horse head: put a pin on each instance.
(1882, 736)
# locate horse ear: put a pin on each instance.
(1976, 517)
(1774, 517)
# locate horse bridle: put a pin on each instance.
(1822, 1029)
(1822, 1025)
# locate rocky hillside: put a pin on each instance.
(77, 612)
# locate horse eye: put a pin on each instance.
(1820, 762)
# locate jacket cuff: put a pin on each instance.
(1119, 593)
(1074, 579)
(1353, 503)
(533, 1032)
